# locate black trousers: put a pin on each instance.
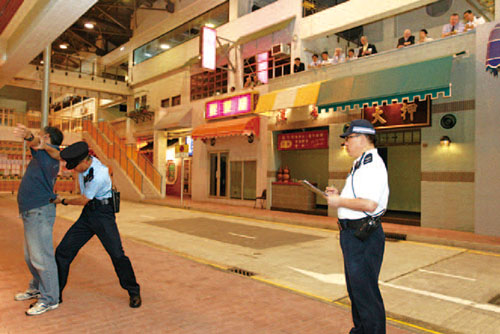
(101, 221)
(362, 262)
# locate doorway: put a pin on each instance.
(218, 174)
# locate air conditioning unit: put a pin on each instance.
(280, 50)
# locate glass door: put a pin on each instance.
(218, 174)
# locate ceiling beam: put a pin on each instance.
(112, 19)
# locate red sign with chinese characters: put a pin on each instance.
(231, 106)
(303, 140)
(399, 115)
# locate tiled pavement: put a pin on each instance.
(179, 295)
(411, 233)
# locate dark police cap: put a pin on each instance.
(75, 153)
(361, 126)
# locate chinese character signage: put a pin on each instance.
(399, 115)
(231, 106)
(303, 140)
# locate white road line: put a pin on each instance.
(447, 275)
(465, 302)
(148, 217)
(242, 235)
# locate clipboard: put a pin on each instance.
(312, 188)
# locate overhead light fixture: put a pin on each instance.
(210, 25)
(89, 25)
(147, 54)
(445, 141)
(41, 62)
(122, 48)
(63, 46)
(164, 46)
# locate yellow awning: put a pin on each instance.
(289, 98)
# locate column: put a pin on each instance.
(46, 85)
(160, 156)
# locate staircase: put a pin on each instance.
(134, 176)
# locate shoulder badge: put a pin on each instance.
(368, 159)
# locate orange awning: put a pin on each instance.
(244, 126)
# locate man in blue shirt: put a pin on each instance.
(34, 199)
(98, 217)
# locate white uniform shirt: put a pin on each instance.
(370, 182)
(98, 185)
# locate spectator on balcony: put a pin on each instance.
(407, 39)
(338, 56)
(248, 82)
(454, 27)
(351, 55)
(315, 62)
(471, 21)
(298, 66)
(423, 36)
(366, 48)
(325, 59)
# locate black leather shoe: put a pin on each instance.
(135, 301)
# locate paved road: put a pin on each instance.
(426, 288)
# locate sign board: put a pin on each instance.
(309, 140)
(230, 106)
(208, 46)
(262, 66)
(181, 151)
(399, 115)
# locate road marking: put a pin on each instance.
(148, 217)
(338, 279)
(447, 275)
(242, 235)
(456, 300)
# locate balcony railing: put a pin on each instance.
(9, 117)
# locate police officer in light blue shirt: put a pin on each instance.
(360, 205)
(98, 217)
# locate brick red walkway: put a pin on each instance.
(179, 296)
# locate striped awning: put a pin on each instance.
(243, 126)
(394, 85)
(289, 98)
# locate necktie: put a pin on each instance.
(452, 28)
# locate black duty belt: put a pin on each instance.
(99, 202)
(351, 224)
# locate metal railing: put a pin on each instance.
(118, 147)
(115, 152)
(8, 117)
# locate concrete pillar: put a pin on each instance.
(160, 155)
(46, 85)
(297, 49)
(234, 79)
(497, 10)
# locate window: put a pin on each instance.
(137, 103)
(216, 16)
(176, 100)
(144, 100)
(218, 174)
(243, 180)
(276, 66)
(208, 83)
(165, 103)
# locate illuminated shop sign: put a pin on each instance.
(231, 106)
(208, 48)
(399, 115)
(262, 65)
(309, 140)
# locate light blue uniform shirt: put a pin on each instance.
(99, 187)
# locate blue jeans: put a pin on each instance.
(362, 262)
(39, 252)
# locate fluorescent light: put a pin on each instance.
(210, 25)
(122, 48)
(89, 25)
(147, 54)
(164, 46)
(63, 46)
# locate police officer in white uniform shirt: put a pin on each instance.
(97, 218)
(360, 206)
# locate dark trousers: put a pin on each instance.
(99, 220)
(362, 262)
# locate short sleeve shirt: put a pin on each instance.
(95, 182)
(368, 180)
(37, 186)
(459, 28)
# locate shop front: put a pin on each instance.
(229, 167)
(400, 108)
(173, 134)
(298, 149)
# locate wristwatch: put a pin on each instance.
(63, 201)
(30, 138)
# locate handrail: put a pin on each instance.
(115, 152)
(146, 166)
(9, 117)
